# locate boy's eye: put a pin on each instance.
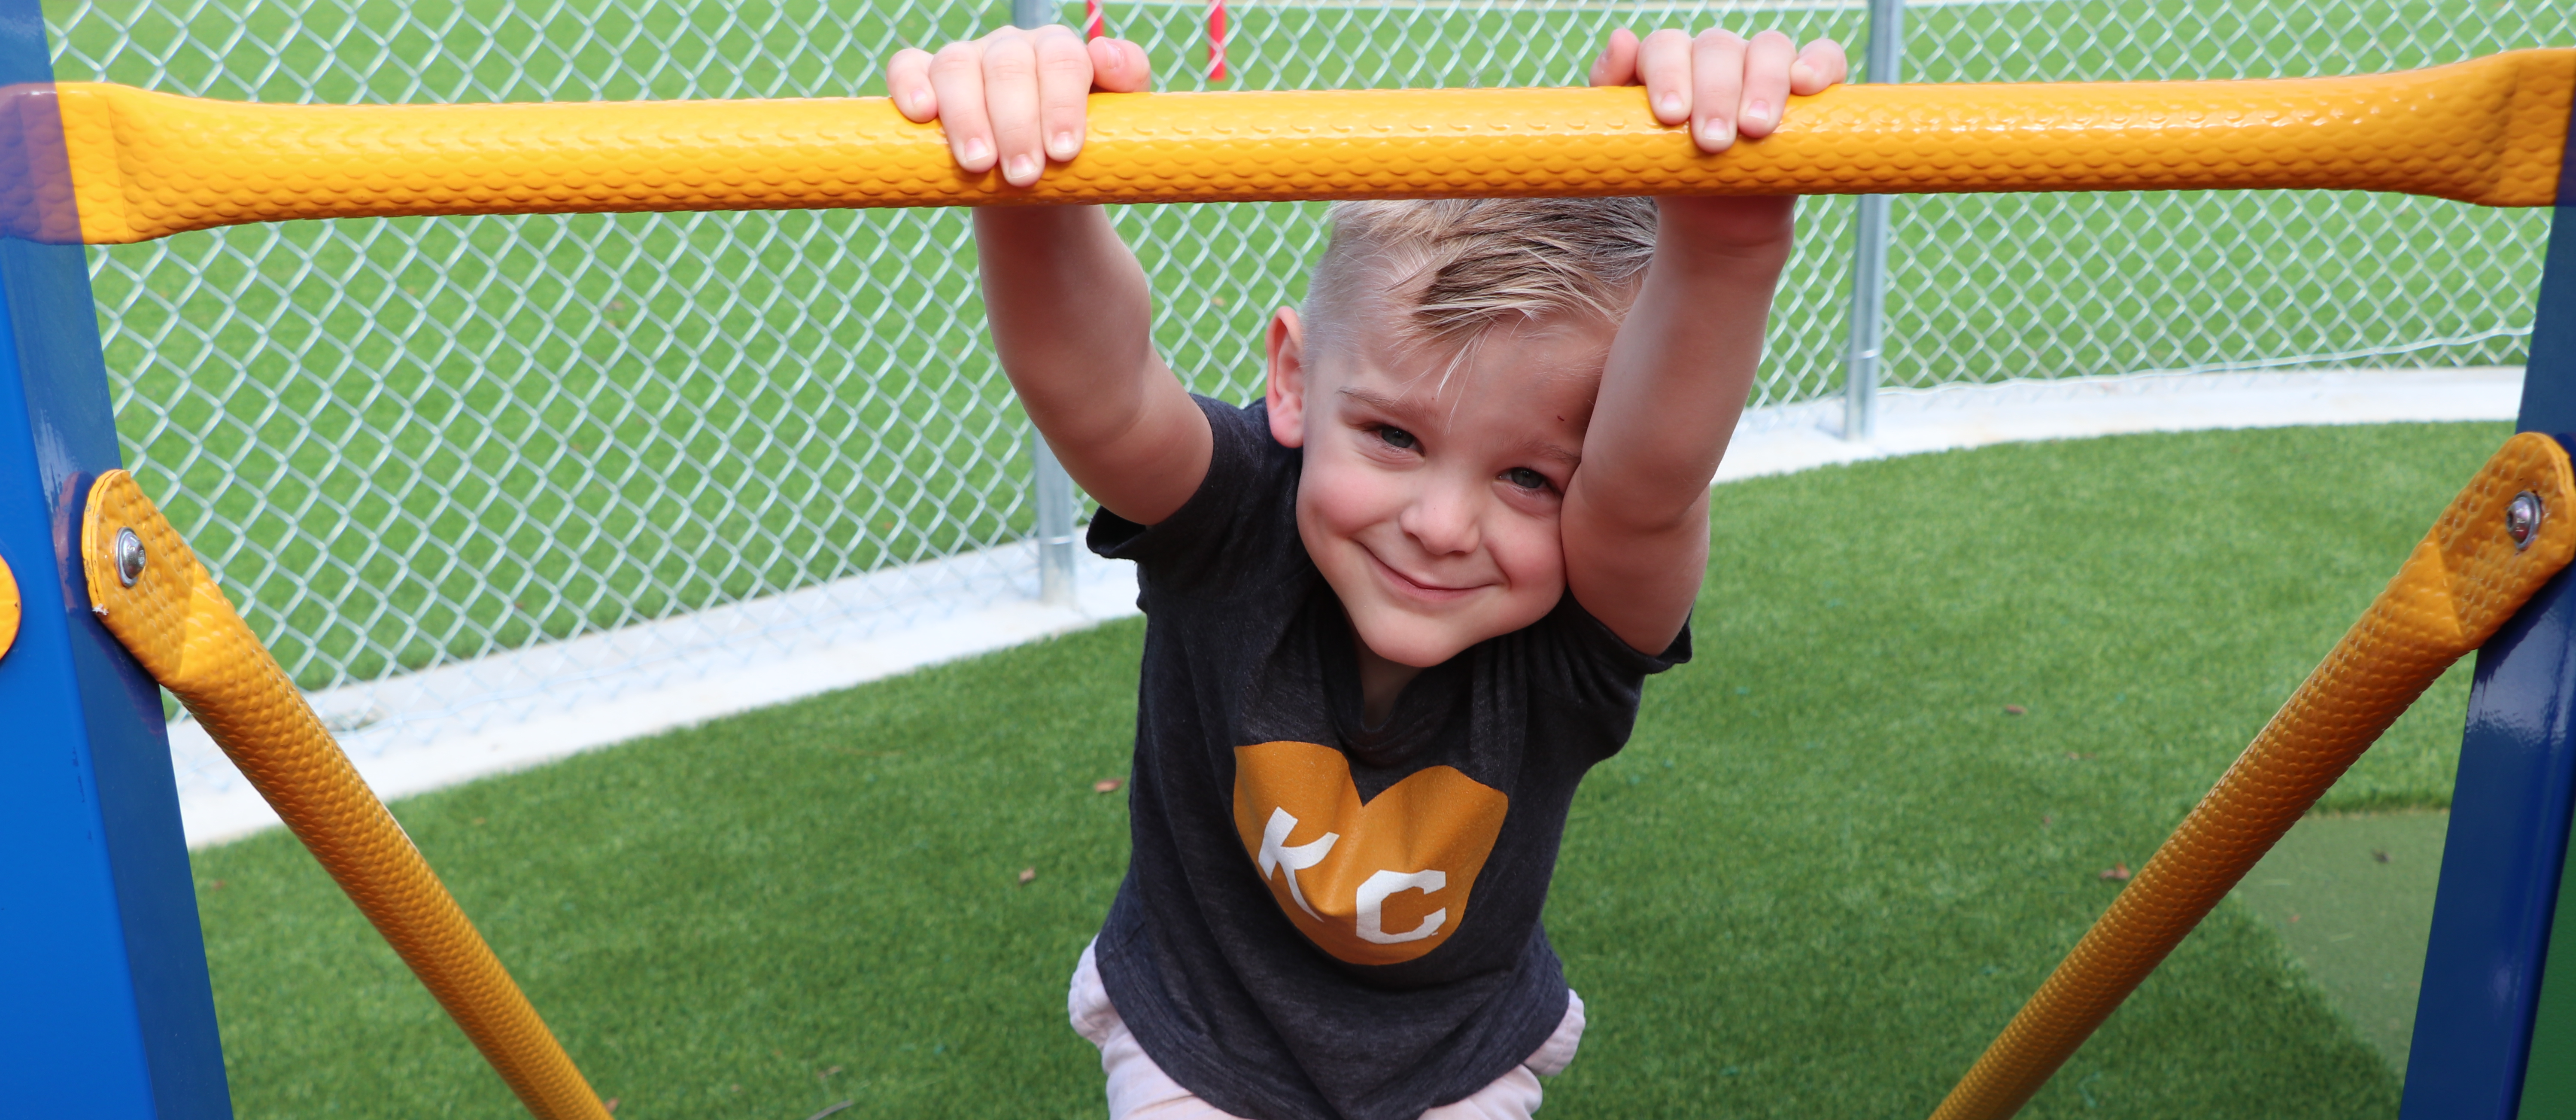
(1525, 478)
(1398, 438)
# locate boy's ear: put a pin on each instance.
(1286, 394)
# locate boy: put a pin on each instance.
(1396, 609)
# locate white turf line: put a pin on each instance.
(437, 747)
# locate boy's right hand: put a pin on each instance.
(1014, 97)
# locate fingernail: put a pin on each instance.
(914, 104)
(1759, 113)
(1061, 146)
(1669, 105)
(976, 152)
(1801, 74)
(1716, 134)
(1020, 169)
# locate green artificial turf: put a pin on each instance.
(1829, 865)
(2351, 894)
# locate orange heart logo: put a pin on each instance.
(1381, 883)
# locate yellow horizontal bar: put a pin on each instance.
(148, 165)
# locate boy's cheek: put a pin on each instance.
(1530, 602)
(1332, 544)
(1342, 498)
(1531, 555)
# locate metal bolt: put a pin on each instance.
(2522, 519)
(129, 557)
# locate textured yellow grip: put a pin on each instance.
(179, 625)
(2461, 583)
(147, 165)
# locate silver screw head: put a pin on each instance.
(129, 557)
(2522, 519)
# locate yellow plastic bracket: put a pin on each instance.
(2459, 585)
(8, 608)
(148, 165)
(173, 619)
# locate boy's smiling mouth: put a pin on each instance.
(1414, 588)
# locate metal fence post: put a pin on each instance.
(1886, 63)
(1050, 489)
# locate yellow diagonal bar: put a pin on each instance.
(148, 165)
(2462, 582)
(174, 620)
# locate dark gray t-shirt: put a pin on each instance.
(1322, 920)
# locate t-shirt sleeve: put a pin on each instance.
(1594, 672)
(1232, 533)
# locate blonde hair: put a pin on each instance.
(1456, 268)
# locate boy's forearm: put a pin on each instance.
(1636, 516)
(1678, 376)
(1072, 319)
(1071, 314)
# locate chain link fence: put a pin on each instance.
(412, 443)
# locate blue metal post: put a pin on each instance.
(2509, 808)
(105, 1009)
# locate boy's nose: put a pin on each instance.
(1442, 520)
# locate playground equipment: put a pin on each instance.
(149, 591)
(146, 165)
(88, 821)
(2481, 562)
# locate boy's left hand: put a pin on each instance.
(1722, 83)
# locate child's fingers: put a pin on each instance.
(1766, 83)
(1064, 87)
(1664, 68)
(1617, 65)
(1011, 100)
(1717, 88)
(1119, 66)
(957, 88)
(1820, 65)
(908, 83)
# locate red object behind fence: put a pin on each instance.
(1216, 40)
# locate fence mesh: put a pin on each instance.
(410, 443)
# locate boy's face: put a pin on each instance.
(1432, 508)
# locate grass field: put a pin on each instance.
(2351, 894)
(1827, 867)
(410, 440)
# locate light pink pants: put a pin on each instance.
(1140, 1090)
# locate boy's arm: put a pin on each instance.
(1635, 520)
(1071, 313)
(1072, 317)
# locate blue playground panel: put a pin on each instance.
(2489, 1002)
(2476, 1021)
(102, 966)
